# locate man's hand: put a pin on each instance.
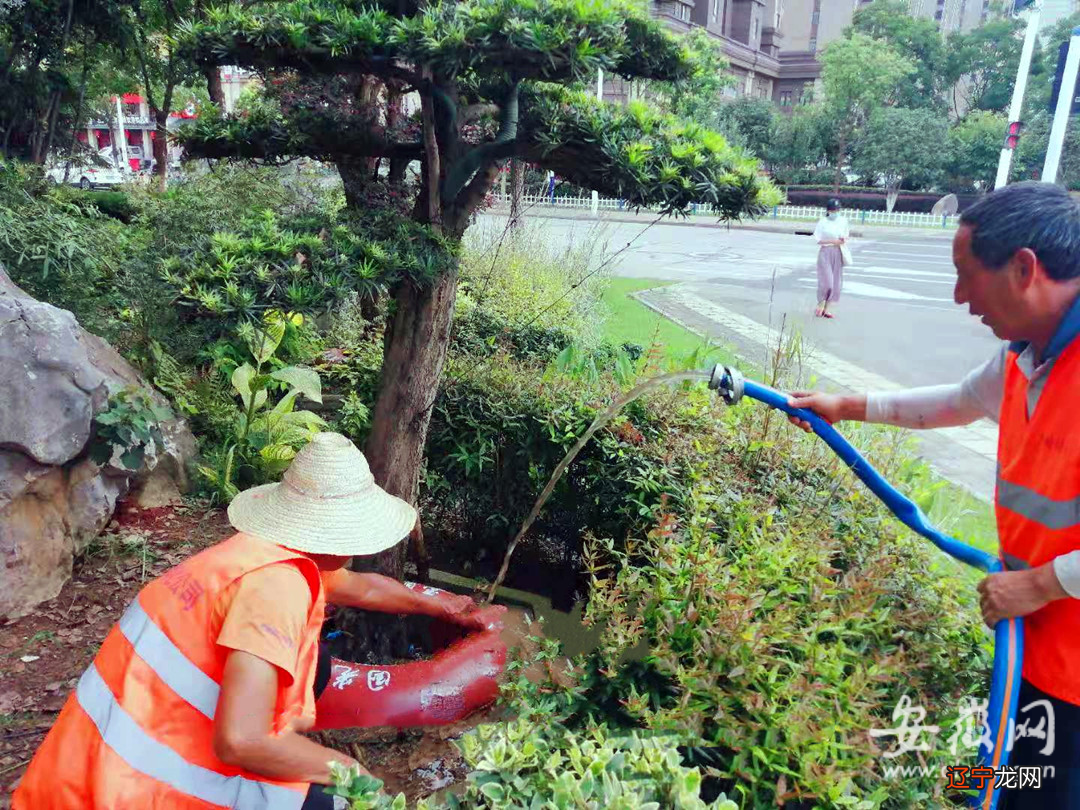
(1018, 593)
(830, 407)
(466, 613)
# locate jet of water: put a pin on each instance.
(599, 422)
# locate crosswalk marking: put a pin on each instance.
(875, 291)
(941, 257)
(874, 268)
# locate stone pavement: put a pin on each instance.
(965, 455)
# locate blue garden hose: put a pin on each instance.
(1008, 634)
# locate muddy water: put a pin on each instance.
(599, 422)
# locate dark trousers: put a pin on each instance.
(1062, 790)
(317, 798)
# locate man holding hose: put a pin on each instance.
(1017, 257)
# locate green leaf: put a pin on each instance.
(133, 458)
(266, 339)
(305, 380)
(243, 379)
(101, 452)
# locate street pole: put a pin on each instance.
(600, 98)
(121, 132)
(1005, 161)
(1063, 111)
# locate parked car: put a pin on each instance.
(86, 172)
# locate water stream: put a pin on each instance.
(599, 422)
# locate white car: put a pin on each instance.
(86, 174)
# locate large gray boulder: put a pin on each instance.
(54, 379)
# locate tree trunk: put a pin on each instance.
(517, 191)
(214, 87)
(54, 116)
(79, 106)
(841, 156)
(416, 347)
(161, 148)
(355, 178)
(40, 141)
(892, 192)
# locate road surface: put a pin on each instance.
(896, 324)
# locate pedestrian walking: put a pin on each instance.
(831, 235)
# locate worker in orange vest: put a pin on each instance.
(199, 693)
(1017, 257)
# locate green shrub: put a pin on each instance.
(522, 280)
(115, 204)
(499, 429)
(532, 764)
(267, 436)
(786, 613)
(68, 255)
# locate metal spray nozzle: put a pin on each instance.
(728, 382)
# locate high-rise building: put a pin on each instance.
(773, 45)
(1056, 10)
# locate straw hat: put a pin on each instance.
(327, 503)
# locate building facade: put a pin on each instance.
(773, 45)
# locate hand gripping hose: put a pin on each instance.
(1009, 633)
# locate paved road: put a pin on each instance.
(896, 324)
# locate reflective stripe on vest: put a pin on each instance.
(156, 760)
(1014, 563)
(168, 663)
(1037, 507)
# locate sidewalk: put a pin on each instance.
(965, 455)
(803, 227)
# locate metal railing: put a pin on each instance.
(540, 202)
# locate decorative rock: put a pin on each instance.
(158, 490)
(54, 378)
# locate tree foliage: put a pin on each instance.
(918, 39)
(973, 149)
(1031, 151)
(748, 122)
(48, 52)
(1044, 65)
(893, 147)
(860, 75)
(698, 97)
(800, 143)
(982, 65)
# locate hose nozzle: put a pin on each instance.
(728, 382)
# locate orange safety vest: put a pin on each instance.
(1038, 510)
(138, 731)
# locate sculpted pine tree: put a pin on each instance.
(496, 79)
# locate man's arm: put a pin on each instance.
(978, 396)
(387, 595)
(243, 727)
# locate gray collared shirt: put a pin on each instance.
(977, 396)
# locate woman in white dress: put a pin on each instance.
(831, 234)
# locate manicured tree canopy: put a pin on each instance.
(498, 58)
(497, 79)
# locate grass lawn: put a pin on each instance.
(630, 321)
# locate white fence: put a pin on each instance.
(539, 203)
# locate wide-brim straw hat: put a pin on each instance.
(326, 503)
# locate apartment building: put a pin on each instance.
(773, 45)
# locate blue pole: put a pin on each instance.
(1008, 634)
